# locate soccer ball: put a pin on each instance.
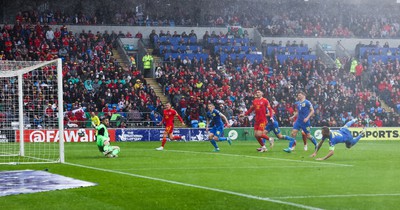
(81, 132)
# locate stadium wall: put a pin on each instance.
(146, 30)
(155, 134)
(348, 43)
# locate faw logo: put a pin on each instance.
(54, 136)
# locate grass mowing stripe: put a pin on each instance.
(247, 156)
(199, 187)
(217, 168)
(337, 196)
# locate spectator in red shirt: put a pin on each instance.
(72, 121)
(359, 71)
(378, 122)
(113, 110)
(139, 35)
(49, 115)
(106, 110)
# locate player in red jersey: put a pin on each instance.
(260, 106)
(168, 119)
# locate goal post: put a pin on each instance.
(31, 104)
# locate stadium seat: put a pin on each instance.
(195, 123)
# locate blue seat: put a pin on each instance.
(283, 58)
(299, 50)
(183, 55)
(195, 123)
(183, 111)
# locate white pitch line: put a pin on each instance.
(216, 168)
(337, 196)
(258, 157)
(199, 187)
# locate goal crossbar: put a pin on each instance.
(16, 72)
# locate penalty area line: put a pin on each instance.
(258, 157)
(198, 187)
(218, 168)
(337, 196)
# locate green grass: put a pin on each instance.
(364, 177)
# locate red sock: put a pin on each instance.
(265, 137)
(176, 138)
(260, 141)
(164, 140)
(304, 138)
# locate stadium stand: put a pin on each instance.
(223, 68)
(233, 84)
(272, 18)
(93, 79)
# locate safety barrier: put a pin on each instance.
(191, 134)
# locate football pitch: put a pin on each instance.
(187, 175)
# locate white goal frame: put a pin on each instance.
(17, 69)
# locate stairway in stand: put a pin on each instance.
(157, 89)
(387, 107)
(159, 92)
(119, 60)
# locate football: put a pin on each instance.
(81, 132)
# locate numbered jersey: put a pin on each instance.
(169, 115)
(260, 106)
(339, 136)
(216, 119)
(303, 109)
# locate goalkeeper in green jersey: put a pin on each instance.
(103, 139)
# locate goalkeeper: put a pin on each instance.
(103, 139)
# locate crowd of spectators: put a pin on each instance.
(93, 81)
(192, 84)
(222, 71)
(383, 78)
(272, 18)
(383, 70)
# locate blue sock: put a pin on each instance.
(222, 138)
(355, 140)
(289, 138)
(291, 143)
(348, 124)
(264, 140)
(214, 143)
(292, 140)
(314, 141)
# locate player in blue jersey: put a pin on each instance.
(342, 135)
(304, 111)
(273, 126)
(217, 129)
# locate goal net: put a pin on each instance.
(31, 112)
